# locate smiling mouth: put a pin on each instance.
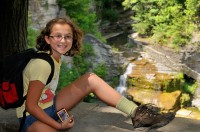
(62, 46)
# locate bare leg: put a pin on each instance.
(69, 96)
(40, 127)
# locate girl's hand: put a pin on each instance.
(67, 124)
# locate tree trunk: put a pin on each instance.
(13, 22)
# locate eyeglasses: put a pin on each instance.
(68, 38)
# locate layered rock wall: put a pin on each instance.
(183, 61)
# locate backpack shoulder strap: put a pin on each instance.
(22, 121)
(47, 58)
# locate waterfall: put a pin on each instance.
(196, 99)
(123, 80)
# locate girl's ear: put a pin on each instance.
(47, 39)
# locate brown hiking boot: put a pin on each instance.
(149, 116)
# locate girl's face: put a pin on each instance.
(60, 39)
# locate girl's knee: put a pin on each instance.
(91, 75)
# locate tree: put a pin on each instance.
(166, 22)
(14, 22)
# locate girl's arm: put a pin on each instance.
(32, 99)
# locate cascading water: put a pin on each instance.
(123, 80)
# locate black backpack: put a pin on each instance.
(11, 77)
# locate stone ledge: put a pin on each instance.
(89, 117)
(98, 117)
(8, 121)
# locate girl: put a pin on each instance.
(62, 37)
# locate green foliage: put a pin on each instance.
(190, 86)
(46, 5)
(185, 100)
(107, 10)
(79, 11)
(80, 61)
(82, 65)
(180, 75)
(100, 70)
(169, 23)
(144, 14)
(67, 75)
(90, 98)
(115, 81)
(110, 15)
(31, 35)
(88, 50)
(176, 84)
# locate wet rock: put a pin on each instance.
(149, 75)
(165, 101)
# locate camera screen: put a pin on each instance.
(63, 114)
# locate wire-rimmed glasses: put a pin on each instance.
(58, 38)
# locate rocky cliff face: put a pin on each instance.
(104, 53)
(42, 11)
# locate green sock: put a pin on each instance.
(126, 106)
